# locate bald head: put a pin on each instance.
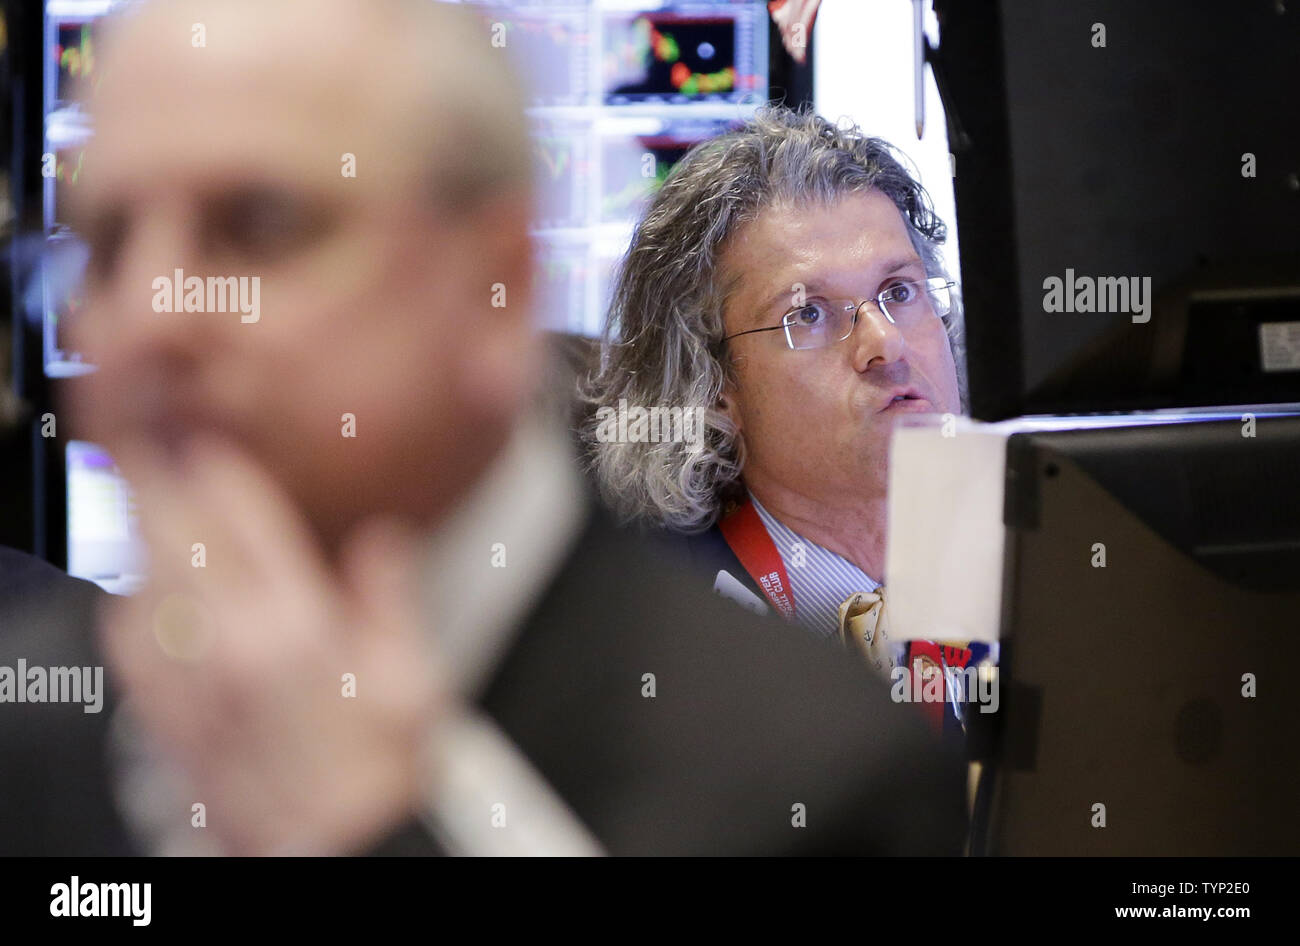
(367, 163)
(414, 88)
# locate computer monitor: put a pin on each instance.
(686, 53)
(1152, 579)
(103, 538)
(1127, 178)
(69, 71)
(618, 93)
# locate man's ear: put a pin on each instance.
(501, 370)
(729, 404)
(499, 243)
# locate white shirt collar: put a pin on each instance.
(491, 559)
(820, 579)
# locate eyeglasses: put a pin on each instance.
(822, 322)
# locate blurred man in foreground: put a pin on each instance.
(382, 615)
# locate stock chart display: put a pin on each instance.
(69, 74)
(676, 59)
(619, 91)
(73, 58)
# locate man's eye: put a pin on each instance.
(259, 225)
(901, 294)
(808, 315)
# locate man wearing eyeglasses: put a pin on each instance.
(787, 283)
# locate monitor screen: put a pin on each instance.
(1128, 186)
(103, 542)
(618, 92)
(682, 56)
(69, 72)
(637, 156)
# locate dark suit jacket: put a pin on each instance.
(54, 785)
(749, 719)
(708, 553)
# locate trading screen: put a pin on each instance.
(619, 92)
(680, 57)
(69, 71)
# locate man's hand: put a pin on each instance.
(299, 699)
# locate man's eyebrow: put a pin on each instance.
(903, 263)
(814, 286)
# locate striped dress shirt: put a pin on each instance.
(819, 579)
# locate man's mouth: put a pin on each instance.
(905, 400)
(173, 427)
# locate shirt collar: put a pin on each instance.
(489, 562)
(819, 578)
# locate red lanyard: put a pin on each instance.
(751, 543)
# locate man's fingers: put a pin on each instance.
(193, 561)
(156, 482)
(261, 530)
(380, 568)
(214, 515)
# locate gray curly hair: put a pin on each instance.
(663, 343)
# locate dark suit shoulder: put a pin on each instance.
(676, 723)
(26, 578)
(55, 793)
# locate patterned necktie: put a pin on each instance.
(864, 628)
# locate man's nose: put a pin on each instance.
(875, 338)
